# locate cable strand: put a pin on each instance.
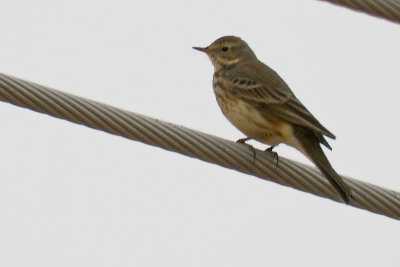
(192, 143)
(387, 9)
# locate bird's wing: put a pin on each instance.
(257, 83)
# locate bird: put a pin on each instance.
(259, 103)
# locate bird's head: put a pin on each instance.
(228, 51)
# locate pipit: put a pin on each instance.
(257, 101)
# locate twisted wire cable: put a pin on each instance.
(388, 9)
(192, 143)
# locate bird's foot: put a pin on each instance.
(243, 141)
(274, 154)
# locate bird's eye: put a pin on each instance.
(225, 49)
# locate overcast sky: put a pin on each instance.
(73, 196)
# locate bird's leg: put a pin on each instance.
(275, 154)
(243, 141)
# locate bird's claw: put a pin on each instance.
(243, 141)
(274, 154)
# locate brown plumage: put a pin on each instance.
(257, 101)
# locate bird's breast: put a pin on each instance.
(248, 118)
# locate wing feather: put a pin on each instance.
(255, 82)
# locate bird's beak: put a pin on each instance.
(202, 49)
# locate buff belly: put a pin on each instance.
(261, 127)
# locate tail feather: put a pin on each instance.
(311, 147)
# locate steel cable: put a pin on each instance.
(192, 143)
(388, 9)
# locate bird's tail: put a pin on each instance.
(312, 149)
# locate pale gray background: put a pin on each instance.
(73, 196)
